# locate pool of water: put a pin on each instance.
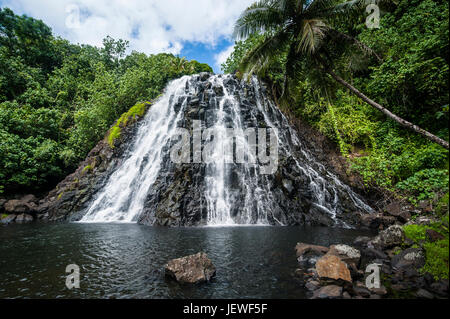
(127, 260)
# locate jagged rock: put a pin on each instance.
(26, 204)
(371, 221)
(346, 253)
(307, 255)
(332, 267)
(192, 269)
(387, 221)
(411, 257)
(24, 218)
(390, 237)
(399, 211)
(328, 292)
(433, 235)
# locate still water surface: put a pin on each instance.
(127, 260)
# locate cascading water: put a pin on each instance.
(122, 198)
(148, 187)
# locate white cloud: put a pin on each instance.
(152, 26)
(223, 56)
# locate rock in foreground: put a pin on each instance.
(332, 267)
(192, 269)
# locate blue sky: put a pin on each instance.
(197, 29)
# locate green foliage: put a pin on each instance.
(127, 118)
(425, 184)
(410, 79)
(87, 168)
(437, 258)
(114, 135)
(57, 99)
(436, 253)
(415, 232)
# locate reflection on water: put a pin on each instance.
(127, 260)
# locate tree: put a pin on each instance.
(304, 30)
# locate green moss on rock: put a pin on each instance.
(127, 118)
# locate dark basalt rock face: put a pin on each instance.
(302, 190)
(177, 197)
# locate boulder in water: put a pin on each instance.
(192, 269)
(26, 204)
(24, 218)
(307, 255)
(8, 219)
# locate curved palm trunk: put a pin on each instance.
(391, 115)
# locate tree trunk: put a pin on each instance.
(396, 118)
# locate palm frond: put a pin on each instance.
(338, 37)
(259, 17)
(311, 35)
(258, 58)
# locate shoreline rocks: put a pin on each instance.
(398, 262)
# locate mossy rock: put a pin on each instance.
(127, 118)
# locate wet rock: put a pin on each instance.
(307, 255)
(24, 218)
(26, 204)
(192, 269)
(389, 238)
(328, 292)
(433, 235)
(332, 267)
(218, 90)
(346, 253)
(8, 219)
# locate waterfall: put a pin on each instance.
(229, 192)
(122, 198)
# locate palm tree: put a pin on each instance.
(303, 29)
